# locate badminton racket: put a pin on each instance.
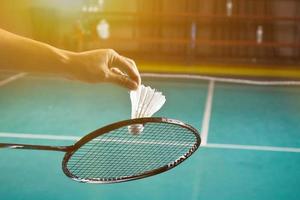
(111, 154)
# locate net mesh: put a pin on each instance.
(120, 154)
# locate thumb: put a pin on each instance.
(122, 80)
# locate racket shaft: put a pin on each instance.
(34, 147)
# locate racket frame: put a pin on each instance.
(111, 127)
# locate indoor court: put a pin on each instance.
(230, 69)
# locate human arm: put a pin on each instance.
(101, 65)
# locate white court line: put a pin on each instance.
(253, 147)
(74, 138)
(207, 113)
(155, 142)
(211, 145)
(12, 78)
(38, 136)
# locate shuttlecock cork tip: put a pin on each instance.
(136, 129)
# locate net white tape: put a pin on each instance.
(219, 79)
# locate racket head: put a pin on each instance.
(103, 155)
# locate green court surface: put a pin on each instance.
(252, 150)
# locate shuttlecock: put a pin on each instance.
(145, 101)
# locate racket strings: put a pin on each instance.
(123, 166)
(92, 160)
(115, 150)
(119, 154)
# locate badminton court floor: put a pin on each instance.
(250, 149)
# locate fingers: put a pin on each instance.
(128, 66)
(117, 71)
(133, 64)
(122, 80)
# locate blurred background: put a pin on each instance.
(247, 109)
(161, 31)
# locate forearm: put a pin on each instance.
(23, 54)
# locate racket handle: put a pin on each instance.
(35, 147)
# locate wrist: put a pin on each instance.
(67, 62)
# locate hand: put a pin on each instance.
(105, 65)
